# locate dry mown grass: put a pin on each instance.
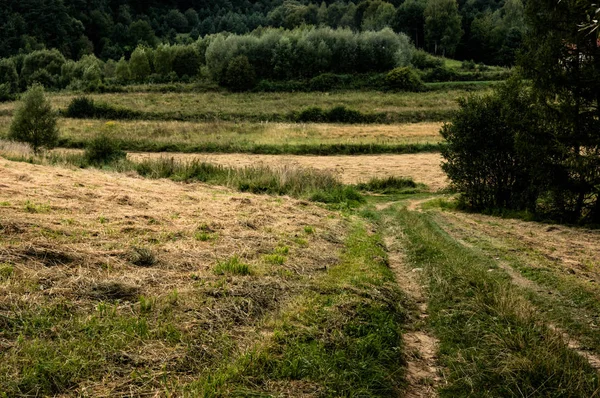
(73, 238)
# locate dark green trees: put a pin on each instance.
(35, 121)
(563, 62)
(487, 155)
(539, 152)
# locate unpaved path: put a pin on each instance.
(423, 373)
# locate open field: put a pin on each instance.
(264, 103)
(423, 167)
(243, 137)
(113, 284)
(389, 107)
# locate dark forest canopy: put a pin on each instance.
(488, 31)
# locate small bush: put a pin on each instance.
(403, 79)
(86, 108)
(232, 266)
(440, 74)
(81, 107)
(488, 150)
(103, 150)
(324, 82)
(341, 114)
(35, 121)
(423, 60)
(313, 114)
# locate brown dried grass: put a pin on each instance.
(79, 251)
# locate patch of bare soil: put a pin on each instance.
(423, 373)
(422, 167)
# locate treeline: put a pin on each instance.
(234, 61)
(488, 31)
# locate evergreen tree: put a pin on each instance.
(563, 62)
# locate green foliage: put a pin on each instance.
(442, 26)
(103, 149)
(122, 71)
(239, 75)
(403, 79)
(44, 67)
(87, 108)
(186, 61)
(423, 60)
(139, 64)
(9, 79)
(487, 154)
(34, 121)
(563, 62)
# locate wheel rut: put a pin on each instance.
(423, 373)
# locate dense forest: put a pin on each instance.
(488, 31)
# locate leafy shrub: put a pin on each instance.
(239, 75)
(87, 108)
(313, 114)
(324, 82)
(81, 107)
(103, 149)
(487, 151)
(440, 74)
(341, 114)
(35, 121)
(186, 61)
(423, 60)
(403, 79)
(9, 79)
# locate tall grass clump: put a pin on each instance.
(316, 185)
(390, 185)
